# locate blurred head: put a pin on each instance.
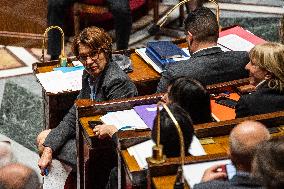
(201, 26)
(93, 48)
(169, 136)
(267, 63)
(18, 176)
(268, 163)
(192, 96)
(6, 154)
(243, 140)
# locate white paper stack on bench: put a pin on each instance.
(144, 150)
(57, 81)
(125, 118)
(194, 172)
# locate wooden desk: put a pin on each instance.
(135, 177)
(167, 171)
(97, 157)
(143, 75)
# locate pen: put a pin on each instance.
(126, 128)
(46, 172)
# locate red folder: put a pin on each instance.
(241, 32)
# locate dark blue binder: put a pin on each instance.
(159, 49)
(166, 49)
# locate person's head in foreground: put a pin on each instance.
(18, 176)
(168, 133)
(243, 141)
(192, 96)
(268, 164)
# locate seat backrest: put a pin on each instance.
(93, 2)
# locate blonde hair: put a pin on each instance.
(270, 56)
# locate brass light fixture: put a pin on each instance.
(163, 20)
(158, 156)
(62, 57)
(217, 13)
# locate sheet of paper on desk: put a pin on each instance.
(57, 81)
(196, 148)
(142, 52)
(141, 152)
(124, 118)
(235, 43)
(144, 150)
(194, 172)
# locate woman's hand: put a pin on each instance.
(45, 160)
(103, 131)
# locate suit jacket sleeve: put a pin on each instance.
(165, 80)
(67, 127)
(242, 108)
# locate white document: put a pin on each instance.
(144, 150)
(196, 148)
(57, 81)
(194, 172)
(141, 152)
(142, 52)
(235, 43)
(125, 118)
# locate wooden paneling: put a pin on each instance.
(22, 22)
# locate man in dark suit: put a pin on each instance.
(243, 140)
(208, 63)
(56, 14)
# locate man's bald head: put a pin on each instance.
(243, 141)
(18, 176)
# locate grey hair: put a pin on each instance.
(6, 153)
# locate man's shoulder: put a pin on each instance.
(231, 54)
(214, 184)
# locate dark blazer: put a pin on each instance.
(237, 182)
(112, 84)
(263, 100)
(208, 66)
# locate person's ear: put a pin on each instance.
(189, 36)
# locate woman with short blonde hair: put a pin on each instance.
(266, 73)
(270, 57)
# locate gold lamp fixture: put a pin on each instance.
(158, 156)
(62, 57)
(217, 13)
(163, 20)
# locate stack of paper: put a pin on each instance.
(194, 172)
(57, 81)
(235, 43)
(126, 119)
(141, 152)
(144, 150)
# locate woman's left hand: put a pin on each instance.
(103, 131)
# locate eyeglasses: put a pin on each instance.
(93, 55)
